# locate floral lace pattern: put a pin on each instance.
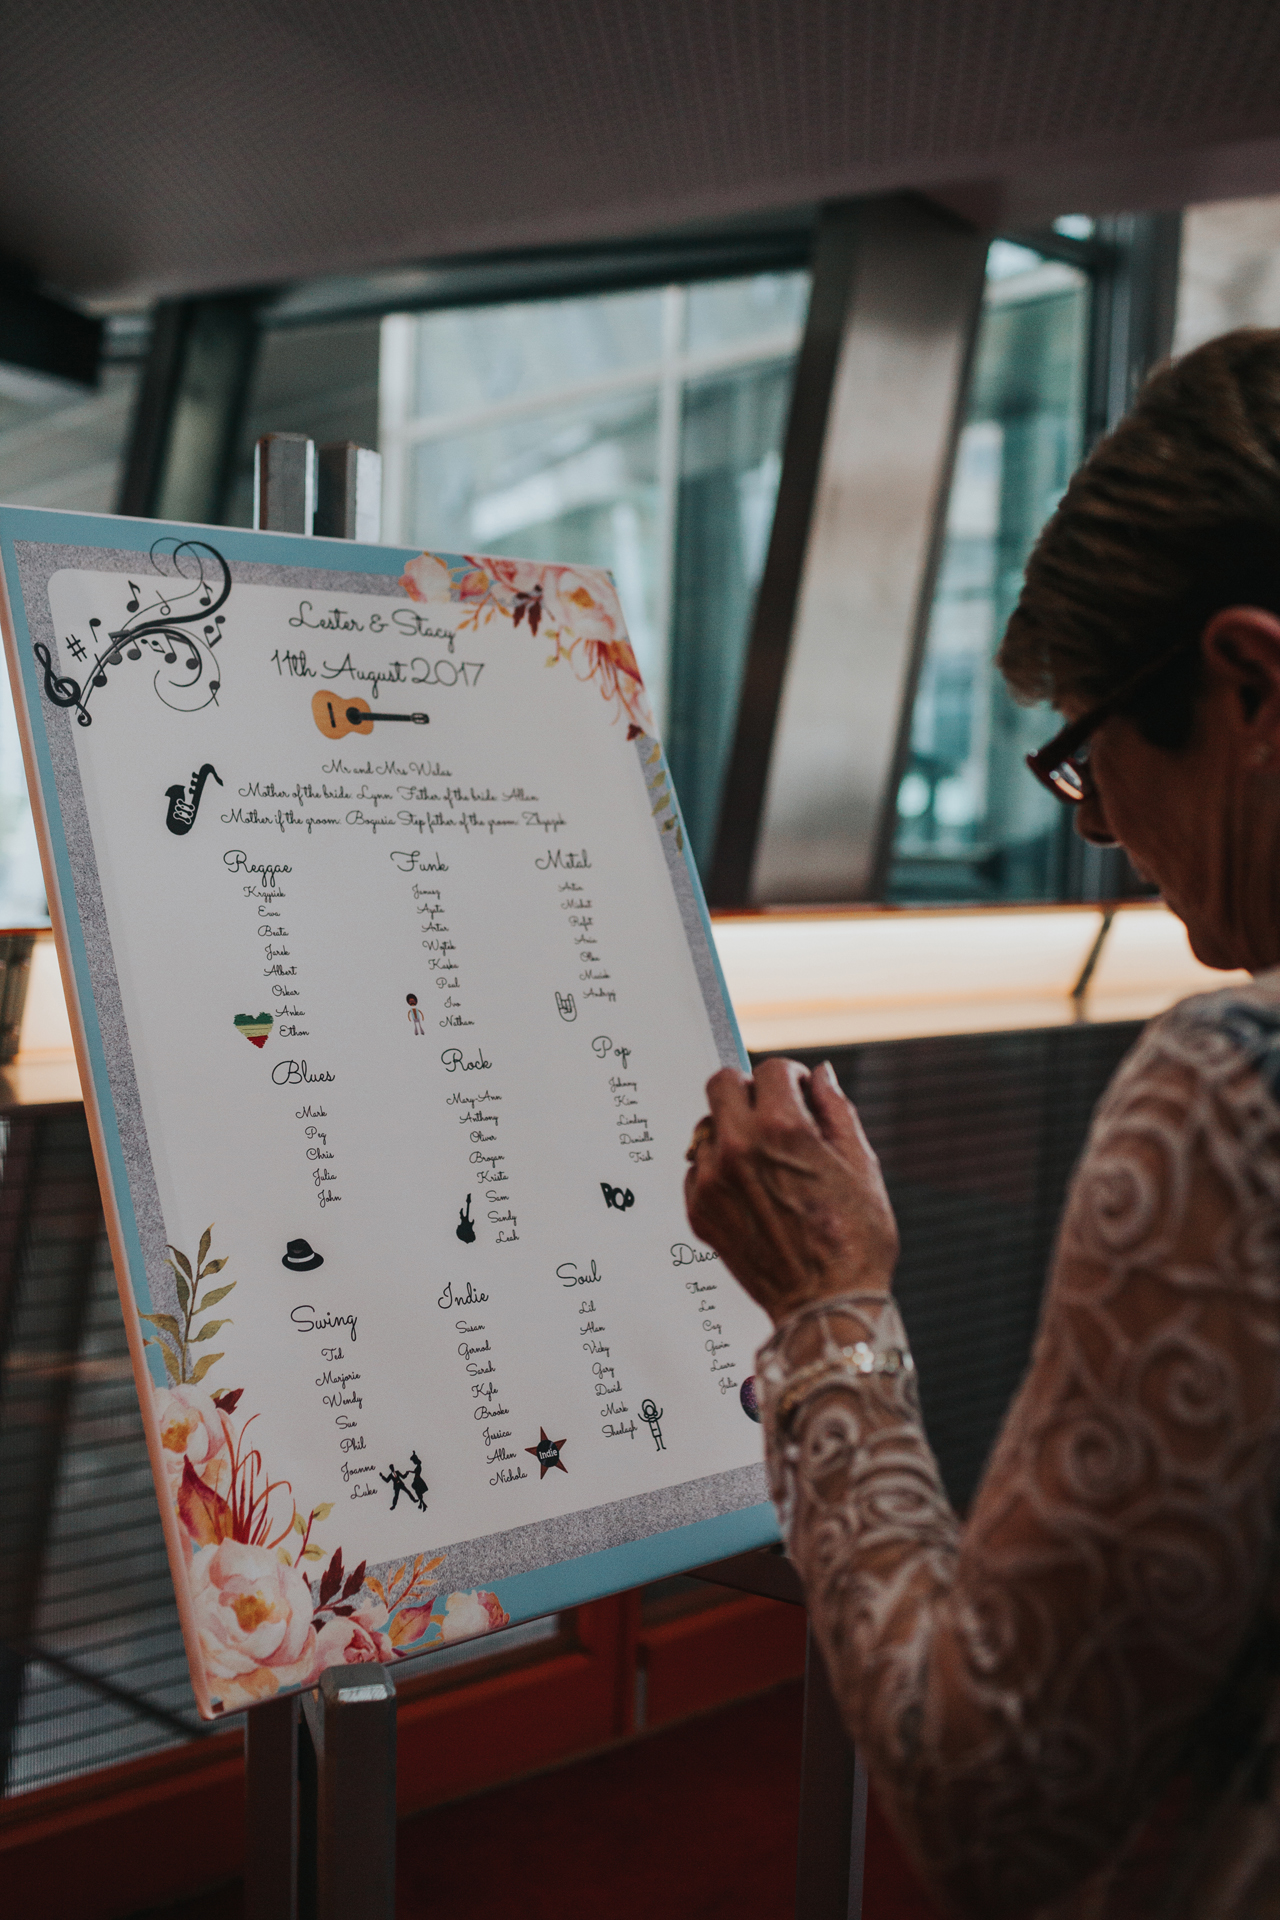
(1070, 1704)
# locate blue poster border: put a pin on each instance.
(524, 1596)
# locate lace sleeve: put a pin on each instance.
(1023, 1686)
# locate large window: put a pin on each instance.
(60, 446)
(971, 824)
(636, 431)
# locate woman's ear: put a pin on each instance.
(1241, 649)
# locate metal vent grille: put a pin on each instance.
(92, 1665)
(977, 1135)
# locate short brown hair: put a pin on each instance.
(1175, 514)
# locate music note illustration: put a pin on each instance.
(187, 561)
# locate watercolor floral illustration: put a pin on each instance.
(265, 1622)
(575, 608)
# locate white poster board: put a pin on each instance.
(394, 998)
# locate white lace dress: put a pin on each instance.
(1069, 1705)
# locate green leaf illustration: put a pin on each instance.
(206, 1241)
(182, 1261)
(184, 1291)
(212, 1299)
(209, 1328)
(202, 1367)
(214, 1266)
(165, 1322)
(171, 1365)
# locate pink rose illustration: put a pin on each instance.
(469, 1614)
(426, 578)
(345, 1641)
(192, 1428)
(253, 1614)
(578, 605)
(521, 576)
(409, 1624)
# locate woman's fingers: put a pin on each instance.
(784, 1185)
(837, 1117)
(780, 1094)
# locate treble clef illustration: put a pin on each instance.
(163, 633)
(63, 691)
(183, 809)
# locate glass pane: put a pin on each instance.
(479, 357)
(724, 311)
(59, 447)
(730, 462)
(576, 485)
(972, 822)
(640, 432)
(321, 381)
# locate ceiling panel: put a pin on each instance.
(155, 146)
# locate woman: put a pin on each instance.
(1070, 1704)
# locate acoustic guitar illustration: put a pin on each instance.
(336, 715)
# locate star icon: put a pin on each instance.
(547, 1454)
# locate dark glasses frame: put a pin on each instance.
(1059, 765)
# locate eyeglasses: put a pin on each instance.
(1062, 765)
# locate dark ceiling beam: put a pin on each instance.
(190, 409)
(45, 336)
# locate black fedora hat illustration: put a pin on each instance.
(301, 1257)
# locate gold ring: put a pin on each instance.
(704, 1131)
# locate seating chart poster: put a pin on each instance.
(395, 999)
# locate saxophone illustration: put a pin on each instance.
(183, 806)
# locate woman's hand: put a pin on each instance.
(784, 1185)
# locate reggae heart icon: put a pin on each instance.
(255, 1027)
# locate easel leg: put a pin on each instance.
(271, 1810)
(356, 1807)
(833, 1805)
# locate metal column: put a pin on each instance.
(840, 618)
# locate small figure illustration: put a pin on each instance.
(255, 1027)
(418, 1486)
(394, 1478)
(566, 1006)
(464, 1229)
(619, 1197)
(301, 1257)
(415, 1015)
(547, 1454)
(652, 1415)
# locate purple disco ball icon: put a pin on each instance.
(749, 1398)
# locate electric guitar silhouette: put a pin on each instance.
(336, 715)
(464, 1229)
